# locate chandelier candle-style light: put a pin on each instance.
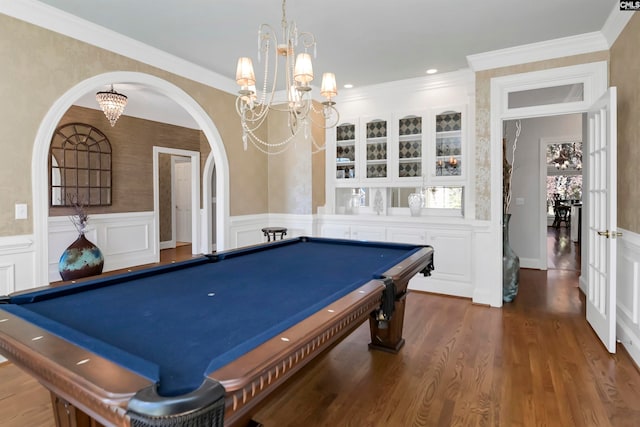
(253, 107)
(112, 103)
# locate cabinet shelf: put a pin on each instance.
(378, 140)
(417, 137)
(448, 134)
(346, 143)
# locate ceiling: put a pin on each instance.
(361, 41)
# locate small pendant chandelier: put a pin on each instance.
(253, 107)
(112, 103)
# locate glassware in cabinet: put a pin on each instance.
(448, 159)
(346, 151)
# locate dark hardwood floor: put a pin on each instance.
(536, 362)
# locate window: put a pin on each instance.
(80, 166)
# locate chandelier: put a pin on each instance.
(112, 103)
(253, 107)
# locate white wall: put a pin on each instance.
(526, 207)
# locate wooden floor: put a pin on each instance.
(536, 362)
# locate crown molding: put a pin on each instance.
(615, 23)
(55, 20)
(463, 77)
(541, 51)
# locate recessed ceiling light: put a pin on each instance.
(432, 71)
(348, 86)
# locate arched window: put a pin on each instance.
(80, 166)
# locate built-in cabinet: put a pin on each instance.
(452, 240)
(387, 157)
(410, 143)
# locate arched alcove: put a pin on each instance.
(217, 158)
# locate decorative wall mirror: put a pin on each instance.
(80, 163)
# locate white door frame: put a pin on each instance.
(196, 225)
(592, 75)
(40, 158)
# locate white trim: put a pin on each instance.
(595, 80)
(615, 23)
(13, 244)
(64, 23)
(39, 161)
(458, 78)
(540, 51)
(194, 157)
(592, 75)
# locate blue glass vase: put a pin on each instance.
(81, 259)
(510, 265)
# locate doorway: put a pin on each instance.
(52, 118)
(181, 194)
(187, 217)
(534, 182)
(562, 163)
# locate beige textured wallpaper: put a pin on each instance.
(296, 177)
(38, 66)
(625, 75)
(483, 118)
(132, 142)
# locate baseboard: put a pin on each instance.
(533, 263)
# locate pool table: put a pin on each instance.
(204, 341)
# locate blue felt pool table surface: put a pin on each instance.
(175, 324)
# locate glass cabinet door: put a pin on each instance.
(410, 147)
(376, 149)
(346, 151)
(448, 144)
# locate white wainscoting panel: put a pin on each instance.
(451, 239)
(125, 239)
(245, 230)
(628, 294)
(17, 264)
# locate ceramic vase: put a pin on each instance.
(510, 264)
(416, 201)
(81, 259)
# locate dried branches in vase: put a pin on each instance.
(510, 260)
(507, 168)
(80, 218)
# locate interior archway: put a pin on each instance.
(217, 158)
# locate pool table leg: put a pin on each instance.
(389, 337)
(67, 415)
